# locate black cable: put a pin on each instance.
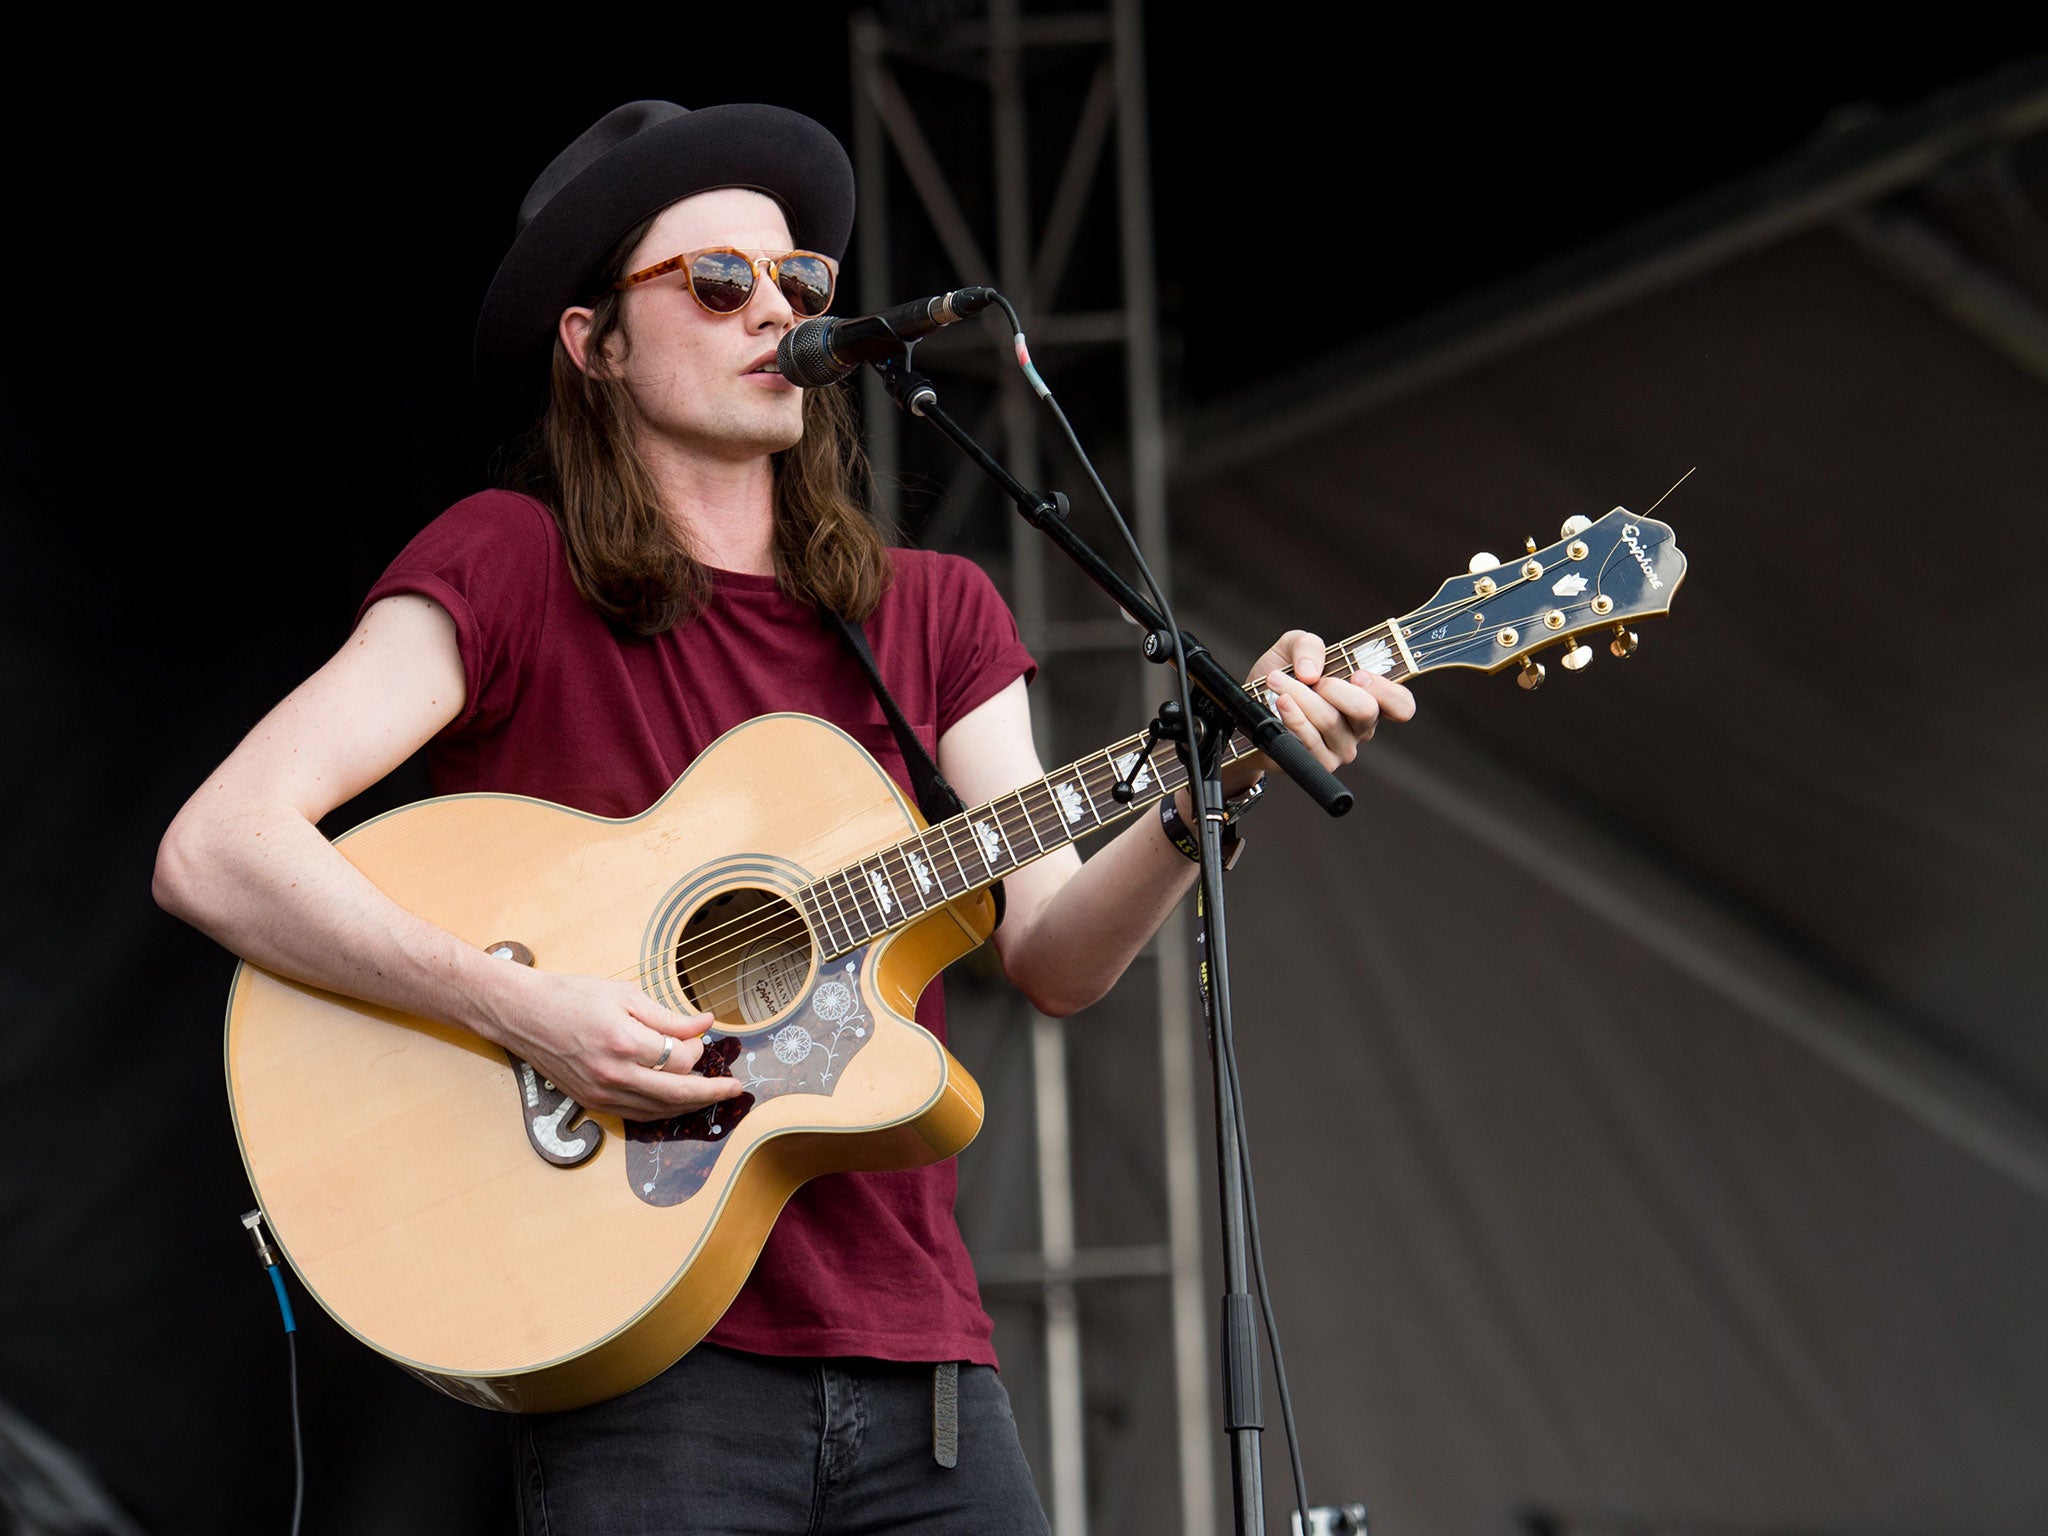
(298, 1443)
(1226, 1041)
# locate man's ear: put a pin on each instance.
(574, 331)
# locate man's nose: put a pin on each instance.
(768, 307)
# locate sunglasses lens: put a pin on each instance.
(806, 281)
(722, 280)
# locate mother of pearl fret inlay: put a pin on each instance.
(1123, 766)
(991, 842)
(885, 893)
(1070, 803)
(921, 872)
(1374, 656)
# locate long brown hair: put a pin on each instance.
(630, 560)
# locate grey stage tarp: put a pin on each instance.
(1650, 1121)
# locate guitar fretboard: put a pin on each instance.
(897, 885)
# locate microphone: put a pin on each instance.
(824, 351)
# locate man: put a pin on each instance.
(694, 514)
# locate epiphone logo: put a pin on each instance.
(1628, 537)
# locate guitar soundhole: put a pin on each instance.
(745, 956)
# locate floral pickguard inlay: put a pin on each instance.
(668, 1161)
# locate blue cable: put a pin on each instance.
(284, 1302)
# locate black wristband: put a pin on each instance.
(1178, 834)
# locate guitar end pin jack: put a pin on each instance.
(252, 1222)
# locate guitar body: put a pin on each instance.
(397, 1160)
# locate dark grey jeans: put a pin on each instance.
(724, 1442)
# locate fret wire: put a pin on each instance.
(1108, 756)
(903, 852)
(1029, 825)
(902, 881)
(931, 859)
(1063, 829)
(982, 844)
(845, 926)
(889, 879)
(808, 897)
(994, 818)
(845, 939)
(894, 883)
(870, 901)
(1005, 808)
(865, 872)
(945, 831)
(1152, 757)
(1116, 774)
(855, 895)
(1093, 809)
(847, 899)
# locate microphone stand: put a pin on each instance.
(1221, 703)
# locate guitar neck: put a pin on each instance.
(899, 884)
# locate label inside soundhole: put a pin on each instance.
(744, 956)
(771, 979)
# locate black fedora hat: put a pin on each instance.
(632, 163)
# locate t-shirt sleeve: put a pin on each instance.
(488, 560)
(983, 652)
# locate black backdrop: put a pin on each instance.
(237, 382)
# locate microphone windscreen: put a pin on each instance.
(805, 358)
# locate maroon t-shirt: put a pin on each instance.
(562, 707)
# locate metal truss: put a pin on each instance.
(951, 105)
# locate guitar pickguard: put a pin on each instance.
(806, 1051)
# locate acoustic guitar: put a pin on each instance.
(461, 1215)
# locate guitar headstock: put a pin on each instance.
(1587, 586)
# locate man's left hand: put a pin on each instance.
(1330, 716)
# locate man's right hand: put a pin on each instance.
(597, 1040)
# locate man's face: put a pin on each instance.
(694, 376)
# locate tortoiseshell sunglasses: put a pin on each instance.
(722, 279)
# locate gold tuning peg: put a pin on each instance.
(1481, 563)
(1624, 642)
(1529, 545)
(1574, 526)
(1575, 657)
(1532, 675)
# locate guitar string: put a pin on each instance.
(748, 935)
(1339, 661)
(1001, 809)
(784, 920)
(1024, 805)
(1454, 606)
(1486, 634)
(1016, 813)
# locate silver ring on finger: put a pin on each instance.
(661, 1061)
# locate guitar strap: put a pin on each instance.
(935, 797)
